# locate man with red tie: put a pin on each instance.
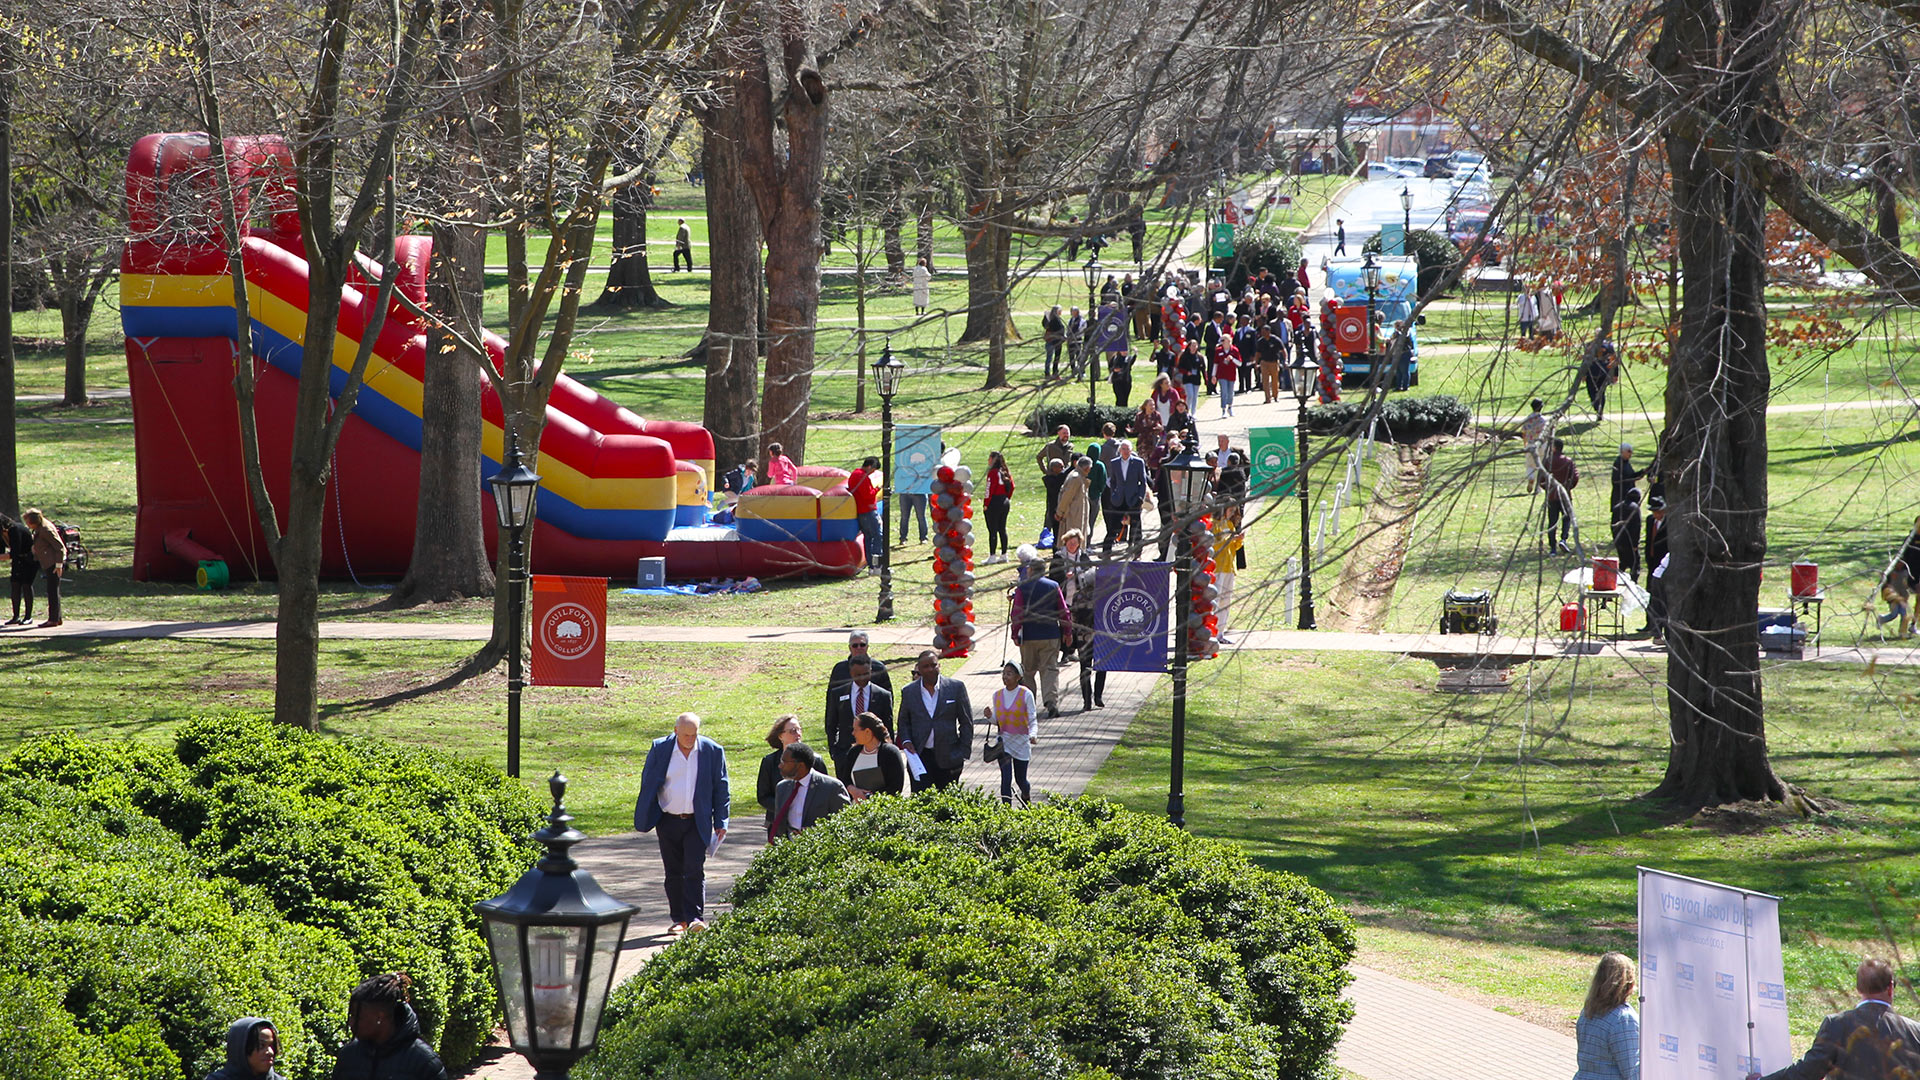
(805, 797)
(860, 693)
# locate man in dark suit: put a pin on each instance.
(1867, 1042)
(683, 791)
(1126, 494)
(857, 646)
(805, 797)
(936, 722)
(860, 694)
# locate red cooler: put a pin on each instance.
(1804, 580)
(1606, 573)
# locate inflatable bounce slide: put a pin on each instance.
(615, 488)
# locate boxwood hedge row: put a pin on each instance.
(950, 936)
(149, 894)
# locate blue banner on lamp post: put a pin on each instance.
(1130, 616)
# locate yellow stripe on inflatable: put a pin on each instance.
(589, 493)
(176, 290)
(837, 507)
(778, 507)
(692, 488)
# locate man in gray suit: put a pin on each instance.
(805, 797)
(936, 722)
(1867, 1042)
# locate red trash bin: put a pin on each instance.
(1804, 580)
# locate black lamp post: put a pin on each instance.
(555, 939)
(513, 490)
(1305, 371)
(1188, 477)
(886, 377)
(1370, 271)
(1406, 220)
(1092, 273)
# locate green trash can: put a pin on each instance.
(211, 575)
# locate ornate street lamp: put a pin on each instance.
(886, 378)
(1091, 271)
(513, 490)
(1305, 372)
(555, 939)
(1370, 272)
(1406, 220)
(1188, 479)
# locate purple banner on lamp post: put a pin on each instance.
(1130, 616)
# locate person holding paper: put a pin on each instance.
(936, 725)
(1867, 1042)
(1607, 1035)
(877, 767)
(683, 792)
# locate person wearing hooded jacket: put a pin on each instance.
(252, 1047)
(386, 1043)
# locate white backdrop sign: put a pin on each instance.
(1713, 993)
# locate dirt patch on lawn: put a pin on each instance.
(1359, 602)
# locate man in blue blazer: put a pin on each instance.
(683, 791)
(1126, 494)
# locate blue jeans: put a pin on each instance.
(876, 540)
(912, 505)
(1012, 771)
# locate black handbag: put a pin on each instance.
(993, 750)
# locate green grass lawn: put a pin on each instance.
(390, 690)
(1491, 841)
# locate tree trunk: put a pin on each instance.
(732, 408)
(923, 233)
(787, 186)
(630, 276)
(1886, 206)
(891, 220)
(1716, 448)
(75, 312)
(449, 559)
(9, 466)
(1001, 237)
(983, 306)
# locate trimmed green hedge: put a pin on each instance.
(952, 937)
(1402, 419)
(249, 869)
(1264, 247)
(1046, 419)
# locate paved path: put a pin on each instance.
(981, 681)
(1405, 1031)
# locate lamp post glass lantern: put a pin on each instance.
(555, 941)
(514, 487)
(1305, 371)
(1188, 477)
(1370, 272)
(886, 378)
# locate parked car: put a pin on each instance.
(1461, 159)
(1380, 170)
(1411, 168)
(1438, 167)
(1465, 234)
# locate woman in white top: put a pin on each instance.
(922, 287)
(1607, 1035)
(1014, 712)
(1549, 324)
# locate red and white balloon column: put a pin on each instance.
(1203, 622)
(952, 510)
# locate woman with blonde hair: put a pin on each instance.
(1608, 1032)
(51, 553)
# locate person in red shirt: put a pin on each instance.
(866, 507)
(1300, 275)
(1566, 476)
(999, 497)
(1226, 373)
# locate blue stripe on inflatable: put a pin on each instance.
(141, 321)
(777, 530)
(694, 514)
(589, 524)
(839, 529)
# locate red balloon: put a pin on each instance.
(938, 565)
(945, 473)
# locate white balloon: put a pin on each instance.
(963, 473)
